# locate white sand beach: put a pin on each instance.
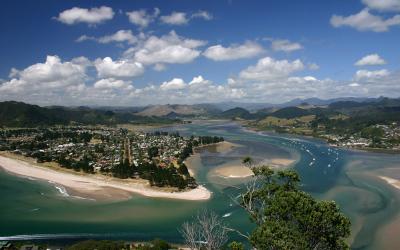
(233, 171)
(97, 186)
(238, 170)
(193, 162)
(394, 182)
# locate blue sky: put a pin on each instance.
(151, 52)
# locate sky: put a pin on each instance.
(133, 53)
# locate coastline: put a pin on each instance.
(220, 147)
(391, 181)
(360, 149)
(231, 170)
(97, 187)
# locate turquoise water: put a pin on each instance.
(32, 209)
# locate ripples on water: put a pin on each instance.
(328, 173)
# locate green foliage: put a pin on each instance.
(236, 246)
(248, 161)
(372, 132)
(98, 245)
(290, 112)
(288, 218)
(152, 152)
(156, 244)
(236, 113)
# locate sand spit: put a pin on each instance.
(97, 186)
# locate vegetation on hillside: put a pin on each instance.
(18, 114)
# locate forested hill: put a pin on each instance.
(19, 114)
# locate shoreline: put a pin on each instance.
(355, 149)
(231, 170)
(391, 181)
(97, 187)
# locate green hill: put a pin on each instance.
(290, 112)
(236, 113)
(19, 114)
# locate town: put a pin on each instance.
(155, 156)
(377, 136)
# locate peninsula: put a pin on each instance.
(98, 162)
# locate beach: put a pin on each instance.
(394, 182)
(96, 186)
(193, 162)
(233, 169)
(237, 171)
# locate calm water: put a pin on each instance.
(31, 209)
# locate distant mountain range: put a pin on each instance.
(295, 102)
(18, 114)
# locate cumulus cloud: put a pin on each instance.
(51, 74)
(285, 45)
(236, 51)
(49, 81)
(372, 59)
(119, 69)
(142, 18)
(118, 37)
(90, 16)
(64, 83)
(182, 18)
(313, 66)
(175, 18)
(370, 75)
(166, 49)
(383, 5)
(203, 14)
(268, 68)
(174, 84)
(111, 83)
(365, 21)
(198, 90)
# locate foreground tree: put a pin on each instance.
(288, 218)
(207, 231)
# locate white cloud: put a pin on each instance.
(90, 16)
(313, 66)
(383, 5)
(365, 21)
(50, 81)
(159, 67)
(285, 45)
(203, 14)
(268, 68)
(119, 37)
(310, 78)
(174, 84)
(182, 18)
(111, 83)
(51, 74)
(233, 52)
(142, 18)
(166, 49)
(199, 82)
(372, 59)
(365, 75)
(108, 68)
(175, 18)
